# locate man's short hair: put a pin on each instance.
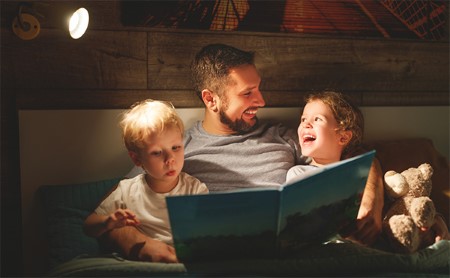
(212, 64)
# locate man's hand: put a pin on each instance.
(136, 246)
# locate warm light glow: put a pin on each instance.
(78, 23)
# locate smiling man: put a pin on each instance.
(230, 149)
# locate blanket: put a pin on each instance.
(336, 258)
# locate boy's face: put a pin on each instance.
(319, 134)
(162, 159)
(242, 99)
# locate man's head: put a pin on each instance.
(212, 64)
(227, 81)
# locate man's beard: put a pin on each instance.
(239, 125)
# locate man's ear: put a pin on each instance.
(346, 136)
(135, 158)
(209, 98)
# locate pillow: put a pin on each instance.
(65, 208)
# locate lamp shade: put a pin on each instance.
(78, 23)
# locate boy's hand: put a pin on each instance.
(121, 218)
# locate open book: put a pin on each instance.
(269, 222)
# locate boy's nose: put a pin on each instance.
(170, 159)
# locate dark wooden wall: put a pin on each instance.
(113, 66)
(113, 69)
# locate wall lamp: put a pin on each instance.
(59, 14)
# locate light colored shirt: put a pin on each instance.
(150, 207)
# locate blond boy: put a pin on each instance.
(153, 135)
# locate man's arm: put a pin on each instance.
(136, 246)
(369, 220)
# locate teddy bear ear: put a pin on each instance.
(427, 170)
(395, 184)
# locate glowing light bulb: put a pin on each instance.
(78, 23)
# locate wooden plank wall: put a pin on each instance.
(113, 69)
(113, 66)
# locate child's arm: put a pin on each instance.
(134, 245)
(95, 225)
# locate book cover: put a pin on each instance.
(269, 222)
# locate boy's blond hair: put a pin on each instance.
(146, 118)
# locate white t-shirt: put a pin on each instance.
(150, 207)
(299, 172)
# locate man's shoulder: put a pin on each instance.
(276, 128)
(194, 129)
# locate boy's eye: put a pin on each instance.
(317, 119)
(176, 148)
(156, 153)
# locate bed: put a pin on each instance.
(71, 253)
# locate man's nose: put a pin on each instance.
(259, 99)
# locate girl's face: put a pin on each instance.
(319, 134)
(162, 159)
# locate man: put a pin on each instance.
(229, 149)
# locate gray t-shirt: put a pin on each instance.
(260, 158)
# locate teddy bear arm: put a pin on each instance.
(423, 212)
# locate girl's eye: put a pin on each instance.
(302, 119)
(316, 119)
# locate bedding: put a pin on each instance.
(74, 254)
(335, 258)
(65, 208)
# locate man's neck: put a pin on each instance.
(213, 125)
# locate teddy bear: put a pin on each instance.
(409, 217)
